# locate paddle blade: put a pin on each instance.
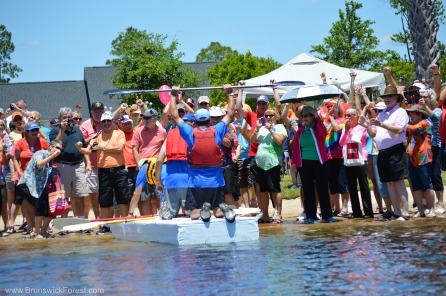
(289, 83)
(124, 91)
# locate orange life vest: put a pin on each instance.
(205, 152)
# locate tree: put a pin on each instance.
(422, 18)
(236, 67)
(351, 43)
(143, 62)
(7, 47)
(215, 52)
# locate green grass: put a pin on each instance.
(295, 193)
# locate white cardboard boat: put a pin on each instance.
(184, 231)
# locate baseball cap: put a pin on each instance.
(417, 85)
(202, 115)
(203, 99)
(150, 113)
(189, 117)
(32, 126)
(181, 106)
(107, 116)
(215, 111)
(190, 102)
(262, 98)
(97, 105)
(54, 121)
(15, 114)
(380, 106)
(126, 119)
(1, 110)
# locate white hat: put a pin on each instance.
(106, 116)
(417, 85)
(181, 106)
(215, 111)
(380, 106)
(126, 119)
(203, 99)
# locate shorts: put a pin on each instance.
(254, 170)
(41, 204)
(175, 198)
(230, 174)
(270, 180)
(3, 194)
(113, 182)
(337, 179)
(197, 196)
(420, 177)
(370, 170)
(437, 182)
(131, 180)
(74, 179)
(148, 192)
(10, 185)
(93, 181)
(244, 174)
(392, 164)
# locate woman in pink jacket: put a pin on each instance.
(310, 158)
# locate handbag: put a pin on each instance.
(352, 152)
(56, 198)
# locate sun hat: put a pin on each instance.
(380, 106)
(391, 90)
(418, 108)
(215, 111)
(202, 115)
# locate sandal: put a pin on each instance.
(23, 226)
(10, 230)
(276, 221)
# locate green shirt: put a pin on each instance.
(307, 145)
(269, 154)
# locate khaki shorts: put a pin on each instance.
(74, 179)
(93, 181)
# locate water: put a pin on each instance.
(350, 257)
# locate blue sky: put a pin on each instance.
(55, 39)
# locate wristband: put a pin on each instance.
(436, 73)
(158, 182)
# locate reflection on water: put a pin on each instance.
(354, 258)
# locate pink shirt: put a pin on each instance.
(384, 138)
(149, 142)
(358, 132)
(88, 131)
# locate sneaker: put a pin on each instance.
(301, 217)
(205, 212)
(229, 213)
(104, 229)
(418, 215)
(388, 214)
(440, 211)
(431, 214)
(274, 215)
(331, 220)
(344, 214)
(309, 221)
(166, 214)
(318, 215)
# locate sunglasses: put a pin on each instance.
(34, 130)
(269, 115)
(203, 103)
(305, 115)
(350, 115)
(261, 103)
(106, 121)
(147, 118)
(77, 118)
(58, 148)
(378, 110)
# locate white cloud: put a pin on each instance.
(32, 43)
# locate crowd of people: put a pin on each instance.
(203, 160)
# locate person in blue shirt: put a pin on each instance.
(205, 181)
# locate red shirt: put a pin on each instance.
(26, 152)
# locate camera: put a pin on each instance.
(70, 122)
(94, 144)
(412, 96)
(11, 106)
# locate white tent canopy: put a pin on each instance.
(308, 69)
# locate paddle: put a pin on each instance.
(133, 91)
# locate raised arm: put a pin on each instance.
(174, 93)
(229, 117)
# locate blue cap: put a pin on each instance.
(32, 126)
(189, 117)
(202, 115)
(262, 98)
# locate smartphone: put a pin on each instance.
(412, 96)
(263, 121)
